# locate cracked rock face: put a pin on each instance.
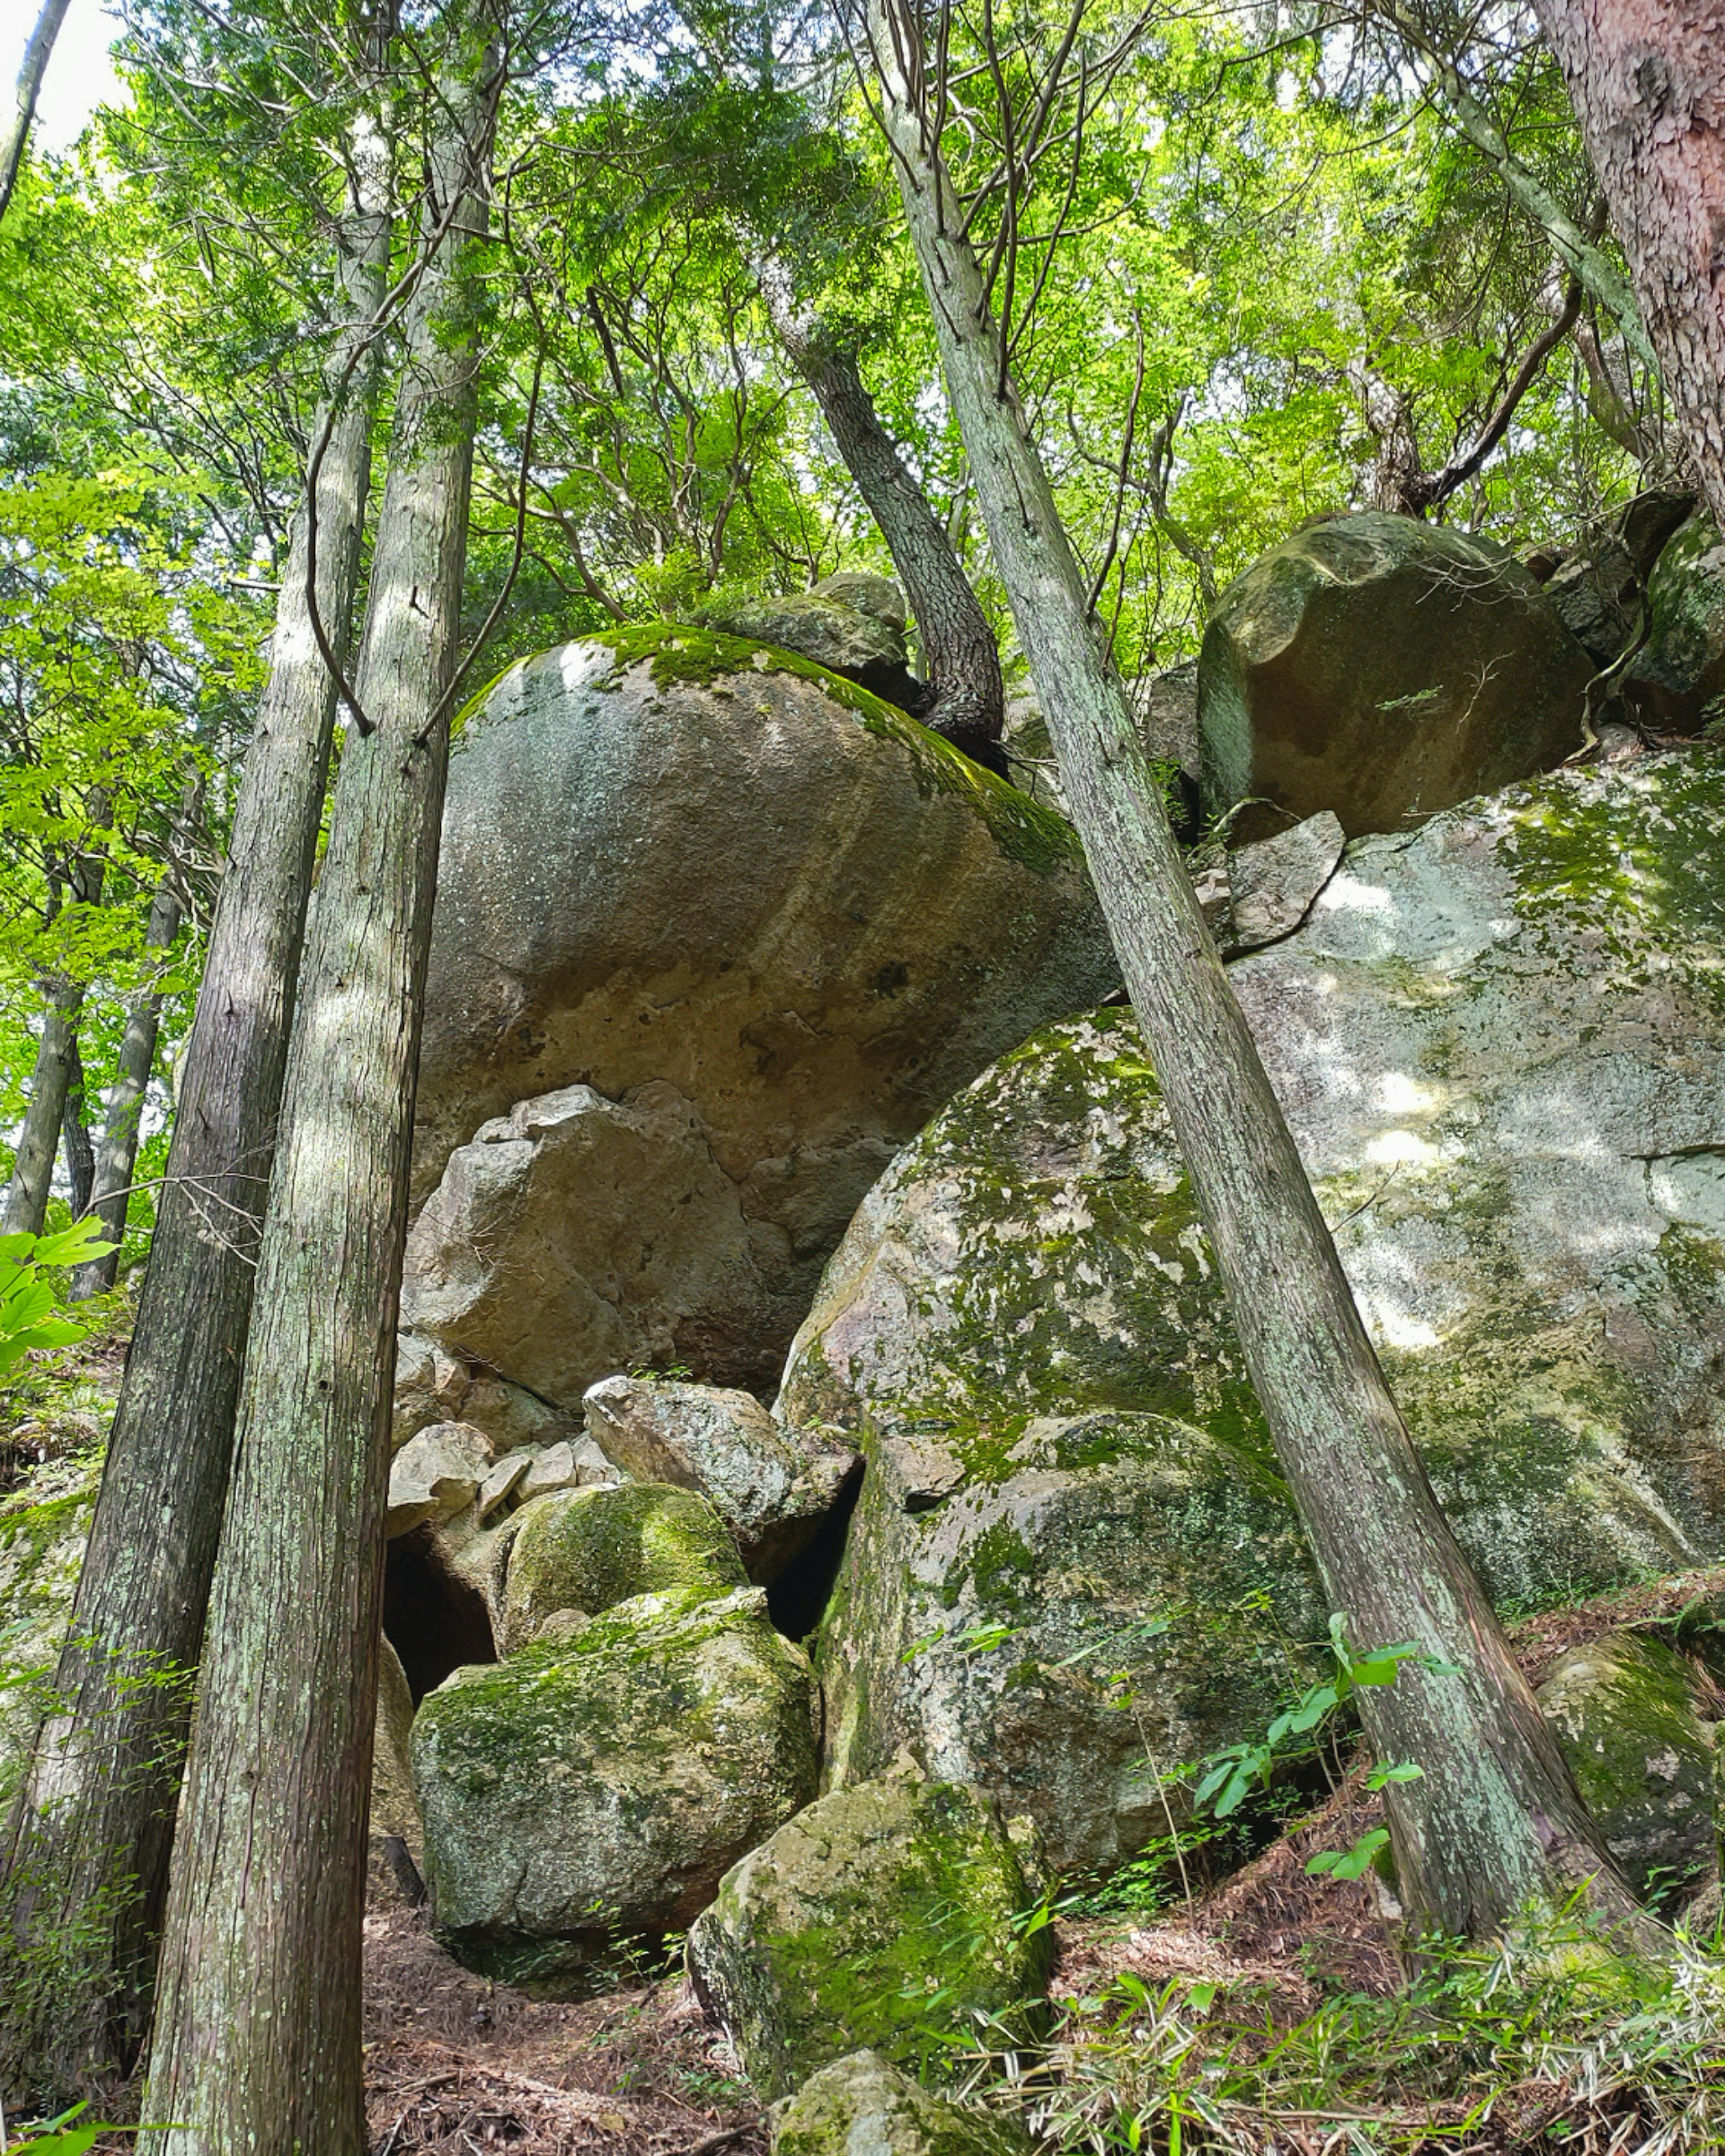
(730, 931)
(1498, 1042)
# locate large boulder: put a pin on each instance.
(585, 1549)
(882, 1917)
(1677, 681)
(1383, 669)
(744, 927)
(1637, 1721)
(863, 2105)
(1499, 1043)
(853, 625)
(596, 1789)
(770, 1485)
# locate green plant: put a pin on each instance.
(61, 2136)
(28, 1303)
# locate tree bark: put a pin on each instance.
(1496, 1817)
(74, 1139)
(960, 656)
(257, 2042)
(56, 1065)
(31, 71)
(93, 1827)
(1647, 80)
(109, 1192)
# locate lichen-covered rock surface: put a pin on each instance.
(772, 1487)
(596, 1789)
(44, 1526)
(1384, 669)
(882, 1918)
(1499, 1043)
(1677, 678)
(864, 2105)
(1638, 1725)
(587, 1549)
(771, 924)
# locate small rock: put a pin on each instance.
(595, 1788)
(879, 1914)
(437, 1474)
(553, 1469)
(503, 1480)
(1628, 1712)
(431, 1385)
(395, 1808)
(863, 2105)
(862, 644)
(1277, 880)
(878, 597)
(586, 1549)
(772, 1488)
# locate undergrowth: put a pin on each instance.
(1552, 2042)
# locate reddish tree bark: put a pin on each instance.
(1647, 79)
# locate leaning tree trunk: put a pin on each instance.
(14, 138)
(959, 654)
(93, 1828)
(257, 2034)
(74, 1139)
(1495, 1816)
(109, 1194)
(1647, 80)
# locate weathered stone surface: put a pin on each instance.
(861, 643)
(395, 1808)
(432, 1385)
(436, 1474)
(44, 1526)
(863, 2105)
(586, 1549)
(1498, 1042)
(772, 1487)
(1262, 892)
(1600, 585)
(1630, 1714)
(773, 924)
(599, 1787)
(835, 1934)
(1383, 668)
(1677, 681)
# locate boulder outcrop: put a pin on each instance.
(584, 1550)
(44, 1527)
(1498, 1042)
(1676, 682)
(595, 1789)
(1383, 668)
(863, 2105)
(773, 1488)
(1639, 1724)
(731, 930)
(881, 1917)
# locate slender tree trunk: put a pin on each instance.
(109, 1191)
(1496, 1815)
(56, 1065)
(257, 2043)
(93, 1827)
(15, 140)
(74, 1139)
(959, 654)
(1647, 80)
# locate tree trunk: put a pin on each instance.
(1647, 80)
(257, 2042)
(32, 69)
(57, 1064)
(1495, 1816)
(75, 1140)
(109, 1192)
(93, 1828)
(959, 655)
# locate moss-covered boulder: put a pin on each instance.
(44, 1527)
(1677, 679)
(763, 924)
(863, 2105)
(862, 642)
(883, 1917)
(1631, 1715)
(586, 1549)
(1383, 669)
(1499, 1043)
(597, 1788)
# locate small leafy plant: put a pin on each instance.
(29, 1313)
(71, 2134)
